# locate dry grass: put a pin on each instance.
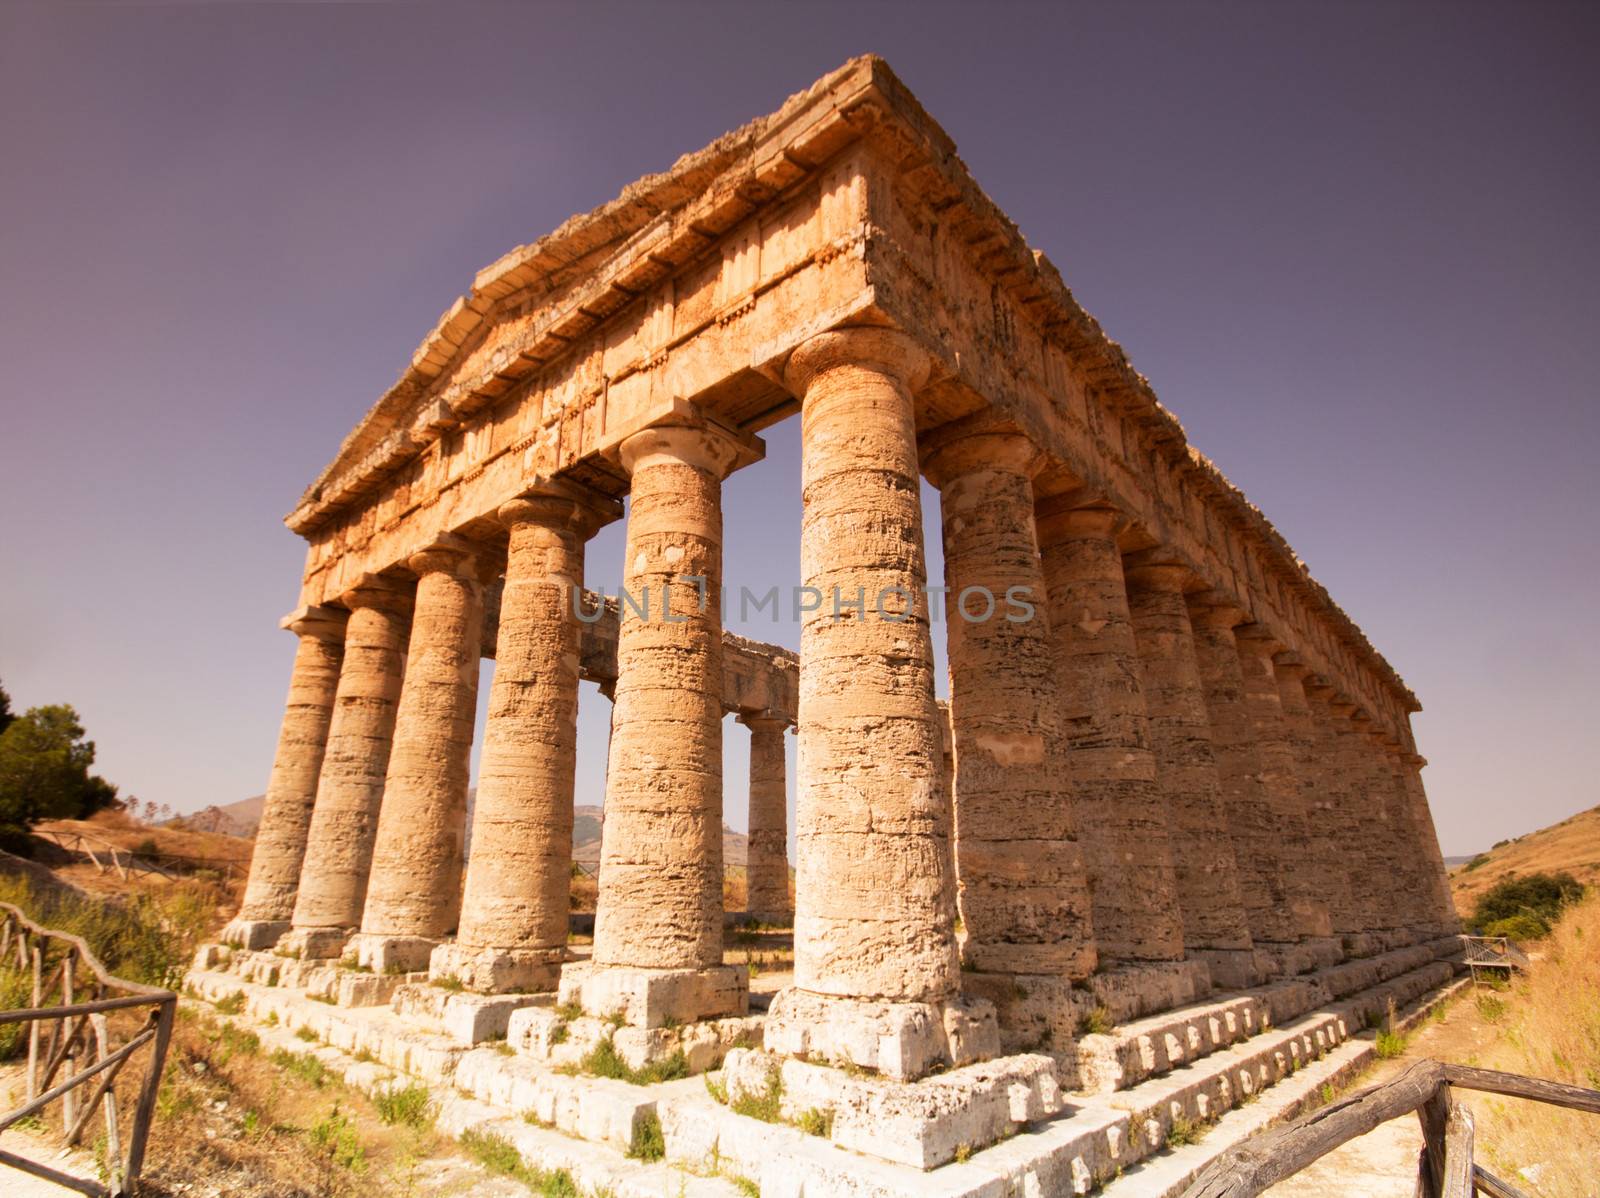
(1572, 845)
(1549, 1027)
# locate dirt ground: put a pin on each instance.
(1383, 1163)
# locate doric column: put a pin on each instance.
(1215, 928)
(1338, 815)
(1318, 874)
(1121, 817)
(766, 868)
(660, 901)
(1382, 864)
(333, 877)
(876, 979)
(1424, 863)
(414, 897)
(515, 901)
(1023, 894)
(1442, 903)
(280, 846)
(1280, 783)
(1251, 820)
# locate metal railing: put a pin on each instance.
(1445, 1168)
(70, 1033)
(1492, 952)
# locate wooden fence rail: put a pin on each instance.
(70, 1037)
(106, 856)
(1445, 1168)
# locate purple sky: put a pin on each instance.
(1353, 246)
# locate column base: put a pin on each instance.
(900, 1040)
(314, 944)
(486, 970)
(921, 1124)
(254, 935)
(1301, 956)
(1232, 968)
(1131, 989)
(383, 953)
(1360, 944)
(653, 998)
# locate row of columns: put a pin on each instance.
(1142, 777)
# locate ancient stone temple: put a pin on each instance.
(1173, 808)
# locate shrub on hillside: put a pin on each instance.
(1519, 927)
(1534, 900)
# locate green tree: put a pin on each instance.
(5, 710)
(44, 769)
(1531, 904)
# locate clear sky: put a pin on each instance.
(1353, 246)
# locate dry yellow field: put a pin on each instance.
(1572, 845)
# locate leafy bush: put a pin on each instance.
(1540, 895)
(1526, 926)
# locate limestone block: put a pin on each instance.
(902, 1041)
(651, 998)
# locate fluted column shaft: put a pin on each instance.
(1339, 813)
(1251, 818)
(1442, 902)
(1316, 877)
(874, 891)
(1121, 818)
(515, 900)
(414, 897)
(1204, 865)
(766, 868)
(660, 903)
(1380, 863)
(338, 859)
(1023, 895)
(1421, 908)
(280, 845)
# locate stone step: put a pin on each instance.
(1158, 1044)
(1168, 1173)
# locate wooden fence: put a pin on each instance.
(70, 1033)
(1445, 1168)
(107, 857)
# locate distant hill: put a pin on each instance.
(242, 819)
(1572, 845)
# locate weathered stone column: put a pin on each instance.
(1250, 817)
(658, 926)
(1319, 876)
(515, 901)
(1023, 893)
(1280, 784)
(766, 868)
(1122, 820)
(338, 858)
(1342, 818)
(1424, 864)
(1379, 859)
(414, 897)
(876, 978)
(1215, 929)
(280, 846)
(1446, 921)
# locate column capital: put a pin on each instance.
(1291, 663)
(699, 442)
(762, 721)
(1257, 639)
(380, 591)
(888, 351)
(1415, 760)
(561, 506)
(1209, 610)
(324, 623)
(1319, 688)
(448, 554)
(980, 443)
(1077, 516)
(1153, 570)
